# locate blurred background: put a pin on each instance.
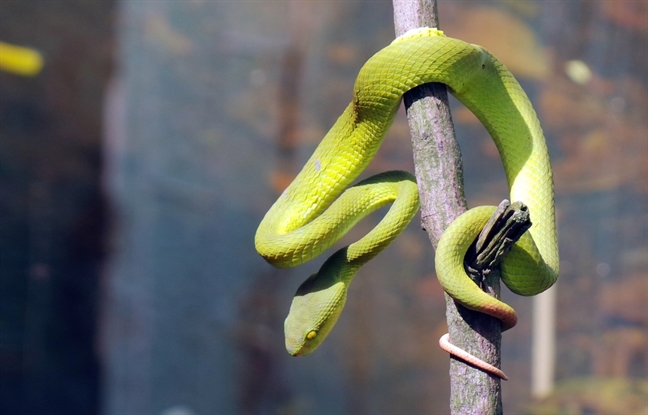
(135, 167)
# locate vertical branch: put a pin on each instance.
(438, 168)
(437, 159)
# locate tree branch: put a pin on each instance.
(438, 168)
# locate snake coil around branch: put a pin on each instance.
(319, 207)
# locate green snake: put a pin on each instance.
(315, 210)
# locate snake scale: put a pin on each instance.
(315, 210)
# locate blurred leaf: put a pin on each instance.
(628, 14)
(595, 396)
(160, 31)
(600, 132)
(505, 35)
(20, 60)
(626, 299)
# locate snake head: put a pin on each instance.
(313, 313)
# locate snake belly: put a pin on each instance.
(315, 210)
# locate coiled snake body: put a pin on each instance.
(315, 211)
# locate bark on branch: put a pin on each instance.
(438, 168)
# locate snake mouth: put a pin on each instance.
(294, 328)
(296, 347)
(292, 352)
(293, 346)
(295, 353)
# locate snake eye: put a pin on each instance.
(311, 335)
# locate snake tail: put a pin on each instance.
(444, 343)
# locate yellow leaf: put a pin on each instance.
(20, 60)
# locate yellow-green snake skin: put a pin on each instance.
(307, 218)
